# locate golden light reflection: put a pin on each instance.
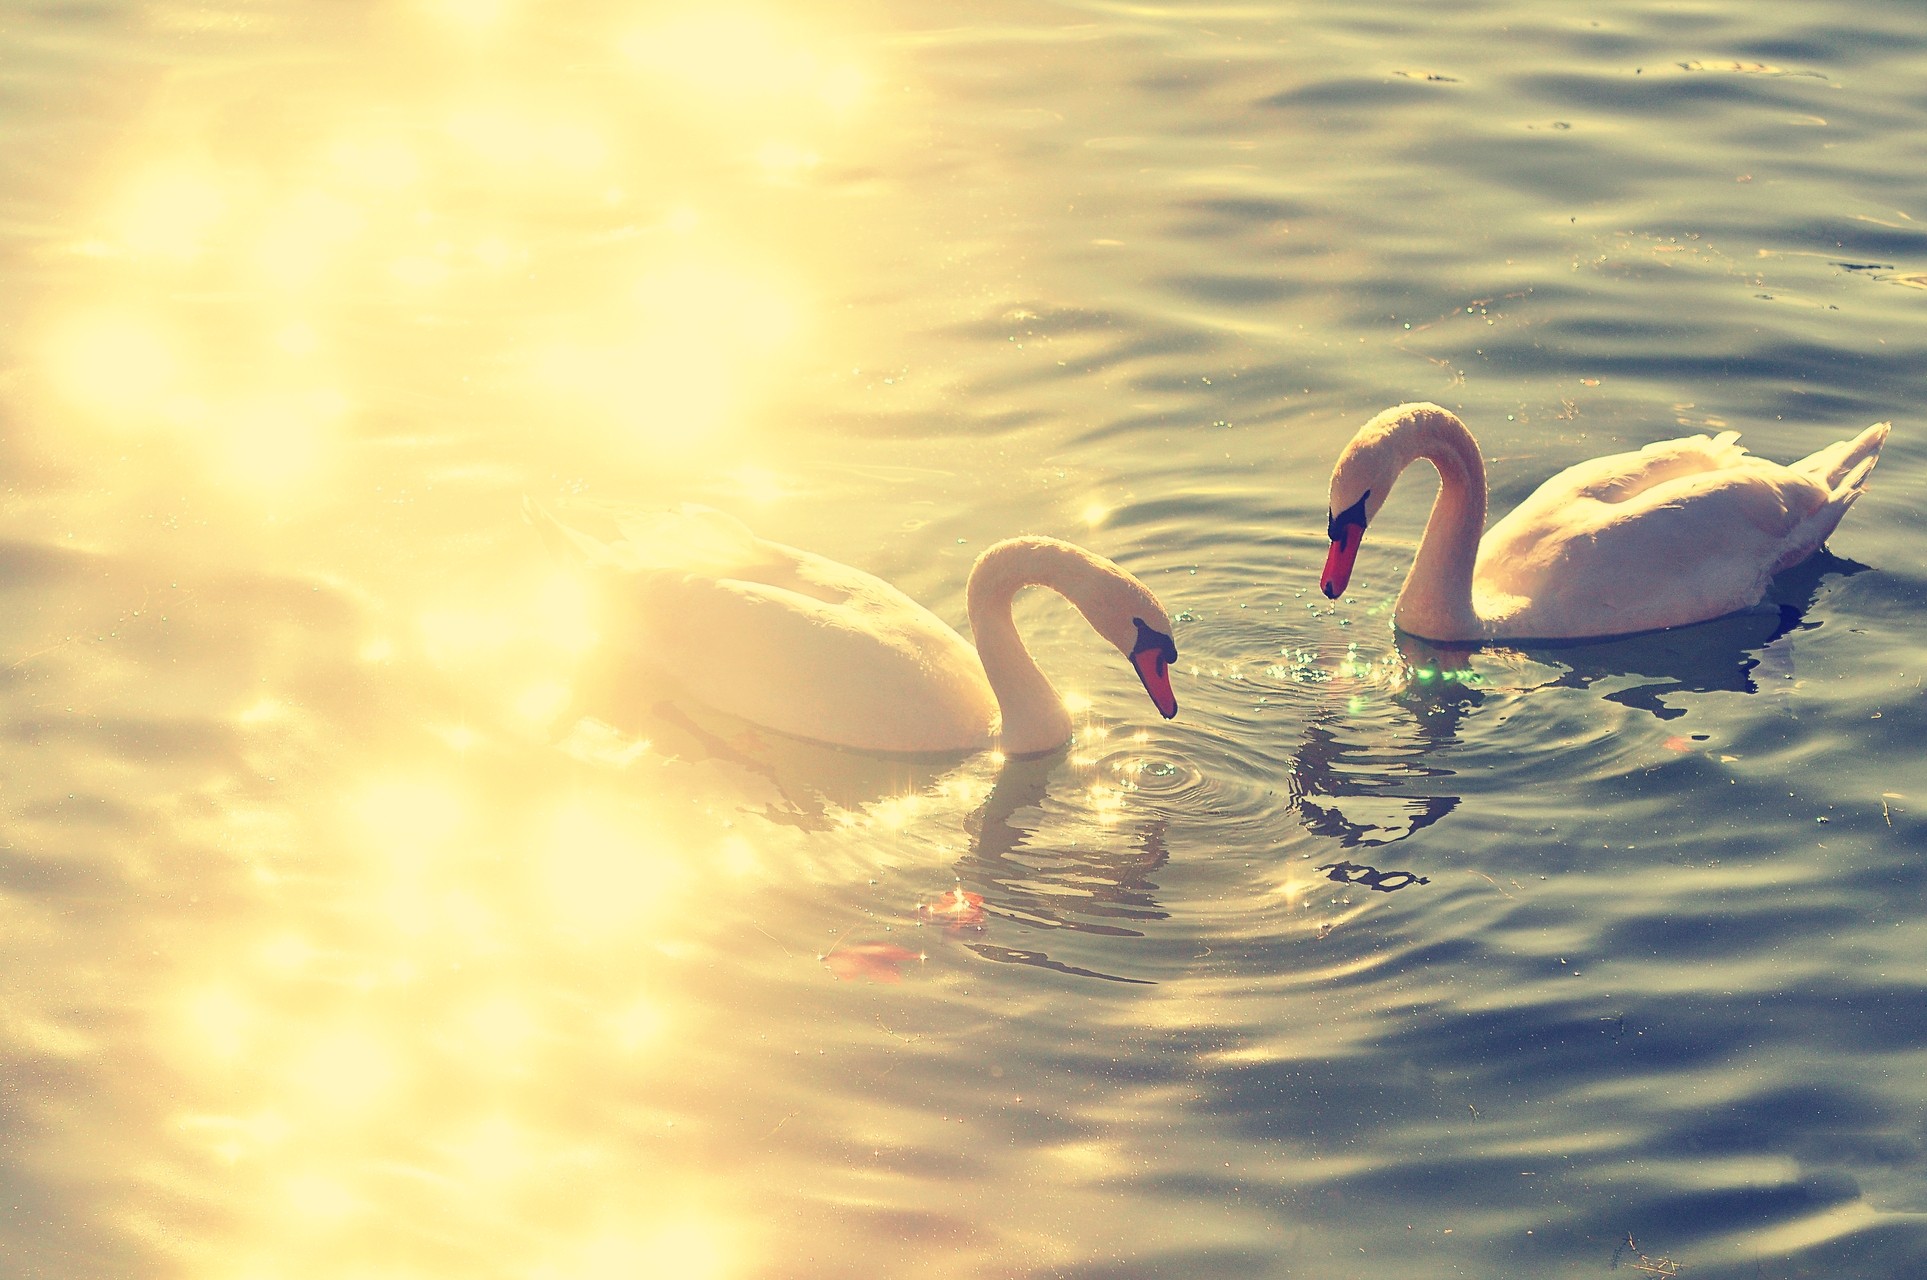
(168, 212)
(286, 953)
(343, 1071)
(719, 300)
(690, 1246)
(298, 239)
(219, 1024)
(384, 164)
(743, 56)
(122, 368)
(297, 339)
(639, 1025)
(263, 711)
(605, 870)
(274, 443)
(565, 611)
(472, 16)
(410, 818)
(315, 1198)
(419, 271)
(672, 364)
(540, 704)
(529, 140)
(762, 487)
(964, 791)
(232, 1139)
(501, 1027)
(786, 162)
(1295, 887)
(1107, 803)
(521, 646)
(494, 1150)
(116, 364)
(1089, 1159)
(281, 298)
(737, 857)
(462, 634)
(894, 813)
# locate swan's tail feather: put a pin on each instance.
(1843, 466)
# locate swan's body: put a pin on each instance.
(799, 643)
(1680, 531)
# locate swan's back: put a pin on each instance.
(861, 670)
(791, 640)
(1677, 532)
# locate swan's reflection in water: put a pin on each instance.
(1358, 792)
(1731, 654)
(1040, 866)
(1365, 780)
(791, 781)
(1722, 655)
(1364, 771)
(1102, 887)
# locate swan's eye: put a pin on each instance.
(1353, 515)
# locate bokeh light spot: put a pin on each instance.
(605, 871)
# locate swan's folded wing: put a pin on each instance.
(1688, 548)
(1621, 477)
(1741, 505)
(800, 665)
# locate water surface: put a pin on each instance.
(367, 911)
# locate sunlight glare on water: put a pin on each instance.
(375, 905)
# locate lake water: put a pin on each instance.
(366, 915)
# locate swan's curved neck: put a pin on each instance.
(1436, 601)
(1034, 718)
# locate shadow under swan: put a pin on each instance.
(1364, 786)
(1722, 655)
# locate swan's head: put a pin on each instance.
(1361, 481)
(1124, 611)
(1347, 531)
(1117, 605)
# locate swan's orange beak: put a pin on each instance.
(1156, 674)
(1338, 561)
(1152, 656)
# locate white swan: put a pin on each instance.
(795, 642)
(1680, 531)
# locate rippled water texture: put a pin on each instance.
(369, 907)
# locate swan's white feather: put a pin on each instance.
(1677, 532)
(810, 647)
(805, 645)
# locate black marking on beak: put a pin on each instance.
(1149, 639)
(1335, 526)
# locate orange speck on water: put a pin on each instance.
(874, 961)
(958, 907)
